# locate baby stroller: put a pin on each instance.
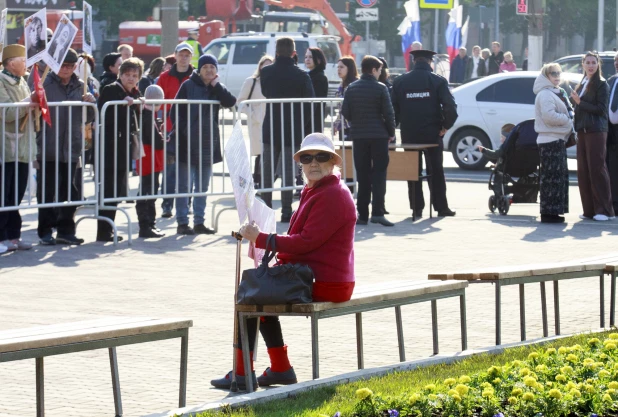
(515, 177)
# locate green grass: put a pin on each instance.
(342, 397)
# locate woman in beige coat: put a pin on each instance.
(251, 90)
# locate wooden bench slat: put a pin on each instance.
(86, 335)
(518, 271)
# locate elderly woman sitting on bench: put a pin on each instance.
(321, 235)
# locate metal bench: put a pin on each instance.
(39, 342)
(365, 298)
(527, 274)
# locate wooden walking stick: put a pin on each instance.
(234, 383)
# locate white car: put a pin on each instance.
(238, 55)
(484, 106)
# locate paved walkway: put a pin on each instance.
(194, 276)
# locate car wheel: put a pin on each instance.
(465, 149)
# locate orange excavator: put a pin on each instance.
(323, 7)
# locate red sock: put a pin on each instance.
(240, 363)
(279, 361)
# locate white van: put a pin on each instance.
(238, 55)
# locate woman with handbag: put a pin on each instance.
(321, 236)
(115, 167)
(252, 90)
(591, 124)
(553, 122)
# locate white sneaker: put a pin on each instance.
(3, 248)
(581, 216)
(21, 245)
(9, 245)
(600, 217)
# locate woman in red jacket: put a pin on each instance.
(321, 235)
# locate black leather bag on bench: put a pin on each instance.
(281, 284)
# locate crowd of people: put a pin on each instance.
(483, 62)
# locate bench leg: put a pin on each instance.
(359, 341)
(544, 310)
(464, 321)
(40, 391)
(244, 337)
(402, 348)
(315, 352)
(602, 295)
(612, 301)
(557, 307)
(113, 363)
(434, 326)
(184, 353)
(498, 314)
(522, 312)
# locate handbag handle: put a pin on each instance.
(269, 254)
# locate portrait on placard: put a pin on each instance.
(87, 29)
(35, 35)
(2, 30)
(60, 43)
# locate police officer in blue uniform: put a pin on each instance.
(425, 109)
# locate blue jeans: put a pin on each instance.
(186, 172)
(170, 187)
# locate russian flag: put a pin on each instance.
(410, 29)
(453, 31)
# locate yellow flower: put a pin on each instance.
(613, 385)
(512, 400)
(524, 372)
(432, 397)
(571, 358)
(528, 396)
(607, 398)
(486, 385)
(603, 373)
(494, 370)
(575, 393)
(589, 388)
(452, 392)
(549, 384)
(540, 368)
(489, 392)
(529, 381)
(430, 387)
(517, 392)
(551, 351)
(533, 355)
(464, 379)
(450, 382)
(576, 347)
(613, 336)
(363, 393)
(414, 398)
(497, 381)
(611, 391)
(570, 385)
(560, 378)
(539, 386)
(566, 369)
(610, 346)
(554, 393)
(462, 389)
(594, 341)
(562, 350)
(457, 398)
(588, 361)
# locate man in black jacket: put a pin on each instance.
(612, 136)
(283, 79)
(368, 108)
(426, 109)
(496, 58)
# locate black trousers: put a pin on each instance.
(371, 161)
(270, 328)
(611, 159)
(286, 156)
(61, 218)
(103, 228)
(437, 183)
(146, 209)
(10, 221)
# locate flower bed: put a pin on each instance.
(579, 380)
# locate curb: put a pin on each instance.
(296, 389)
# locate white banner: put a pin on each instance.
(87, 35)
(35, 36)
(2, 31)
(60, 43)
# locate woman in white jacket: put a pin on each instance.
(251, 90)
(553, 121)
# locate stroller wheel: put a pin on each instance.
(504, 204)
(492, 204)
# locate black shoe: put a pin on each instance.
(447, 212)
(108, 238)
(150, 233)
(166, 214)
(381, 220)
(47, 240)
(226, 382)
(269, 378)
(417, 214)
(551, 218)
(68, 239)
(184, 229)
(361, 222)
(200, 229)
(285, 218)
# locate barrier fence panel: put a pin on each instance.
(46, 167)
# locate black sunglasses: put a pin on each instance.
(555, 74)
(320, 157)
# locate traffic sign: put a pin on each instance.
(367, 15)
(436, 4)
(522, 6)
(367, 3)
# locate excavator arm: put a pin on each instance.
(329, 14)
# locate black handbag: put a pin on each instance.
(571, 140)
(281, 284)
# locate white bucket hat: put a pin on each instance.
(318, 142)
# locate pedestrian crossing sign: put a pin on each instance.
(436, 4)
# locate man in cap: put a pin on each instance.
(426, 109)
(195, 44)
(19, 146)
(59, 149)
(170, 82)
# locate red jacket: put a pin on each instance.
(170, 82)
(321, 232)
(151, 135)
